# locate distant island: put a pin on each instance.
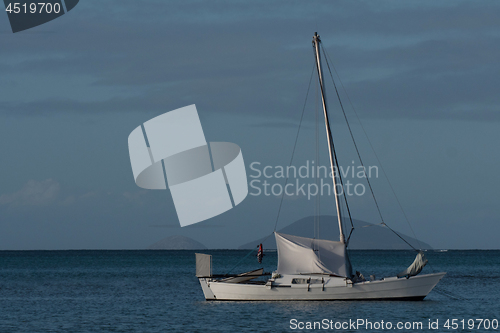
(366, 236)
(177, 243)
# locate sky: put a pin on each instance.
(422, 76)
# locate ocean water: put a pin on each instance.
(157, 291)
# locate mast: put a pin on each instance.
(316, 42)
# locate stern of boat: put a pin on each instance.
(205, 286)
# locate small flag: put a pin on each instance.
(260, 254)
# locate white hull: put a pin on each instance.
(326, 288)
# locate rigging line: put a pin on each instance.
(318, 196)
(333, 154)
(341, 185)
(350, 218)
(350, 233)
(239, 262)
(373, 150)
(361, 161)
(449, 294)
(443, 291)
(291, 159)
(293, 151)
(335, 160)
(404, 240)
(340, 180)
(352, 138)
(316, 157)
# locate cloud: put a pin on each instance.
(33, 193)
(416, 60)
(49, 193)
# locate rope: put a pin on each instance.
(293, 151)
(352, 137)
(361, 161)
(443, 292)
(332, 145)
(404, 240)
(239, 262)
(291, 159)
(448, 294)
(316, 157)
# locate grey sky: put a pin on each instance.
(422, 75)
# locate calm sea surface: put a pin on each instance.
(156, 291)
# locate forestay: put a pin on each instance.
(301, 255)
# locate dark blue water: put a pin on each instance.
(156, 291)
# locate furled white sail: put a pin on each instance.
(416, 267)
(301, 255)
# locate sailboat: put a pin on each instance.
(315, 269)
